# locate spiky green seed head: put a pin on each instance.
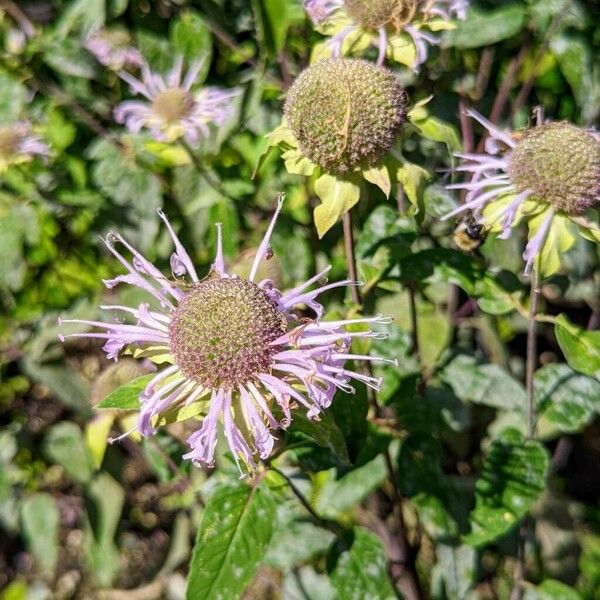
(373, 14)
(221, 332)
(560, 164)
(345, 113)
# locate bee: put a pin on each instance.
(469, 234)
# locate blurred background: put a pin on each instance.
(83, 519)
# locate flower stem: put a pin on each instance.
(532, 351)
(398, 549)
(351, 256)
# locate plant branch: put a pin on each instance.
(351, 256)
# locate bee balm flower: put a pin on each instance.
(401, 29)
(18, 144)
(345, 113)
(172, 109)
(237, 349)
(549, 174)
(342, 117)
(112, 49)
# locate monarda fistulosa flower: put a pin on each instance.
(548, 175)
(173, 109)
(401, 29)
(112, 48)
(345, 113)
(240, 351)
(342, 120)
(19, 144)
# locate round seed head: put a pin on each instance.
(173, 104)
(345, 113)
(221, 332)
(373, 14)
(560, 164)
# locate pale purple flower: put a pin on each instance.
(550, 169)
(111, 48)
(411, 18)
(19, 144)
(239, 348)
(172, 109)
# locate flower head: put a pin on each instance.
(113, 50)
(549, 174)
(172, 109)
(345, 112)
(19, 144)
(401, 29)
(237, 349)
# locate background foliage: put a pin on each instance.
(81, 519)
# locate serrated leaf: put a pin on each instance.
(233, 536)
(566, 399)
(437, 130)
(40, 521)
(512, 478)
(127, 397)
(484, 384)
(343, 491)
(337, 197)
(580, 347)
(361, 571)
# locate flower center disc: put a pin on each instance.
(9, 141)
(220, 334)
(345, 113)
(560, 164)
(173, 104)
(373, 14)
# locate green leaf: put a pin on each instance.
(512, 478)
(66, 58)
(437, 130)
(191, 38)
(413, 179)
(13, 97)
(40, 521)
(486, 28)
(343, 491)
(361, 570)
(566, 399)
(233, 536)
(580, 347)
(337, 196)
(324, 433)
(298, 542)
(298, 164)
(127, 397)
(485, 384)
(65, 445)
(379, 175)
(272, 22)
(454, 571)
(550, 589)
(106, 496)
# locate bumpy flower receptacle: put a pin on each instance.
(373, 14)
(560, 164)
(221, 333)
(346, 113)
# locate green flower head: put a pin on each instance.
(345, 113)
